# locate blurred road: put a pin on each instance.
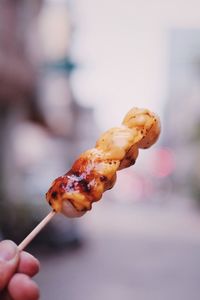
(131, 252)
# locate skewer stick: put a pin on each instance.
(35, 231)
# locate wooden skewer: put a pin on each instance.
(35, 231)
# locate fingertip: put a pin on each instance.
(28, 264)
(22, 287)
(9, 259)
(8, 250)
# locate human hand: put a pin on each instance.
(16, 270)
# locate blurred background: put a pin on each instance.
(68, 71)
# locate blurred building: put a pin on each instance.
(182, 113)
(43, 127)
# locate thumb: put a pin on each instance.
(9, 258)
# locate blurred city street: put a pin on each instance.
(130, 252)
(68, 71)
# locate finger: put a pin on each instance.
(28, 264)
(9, 259)
(22, 287)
